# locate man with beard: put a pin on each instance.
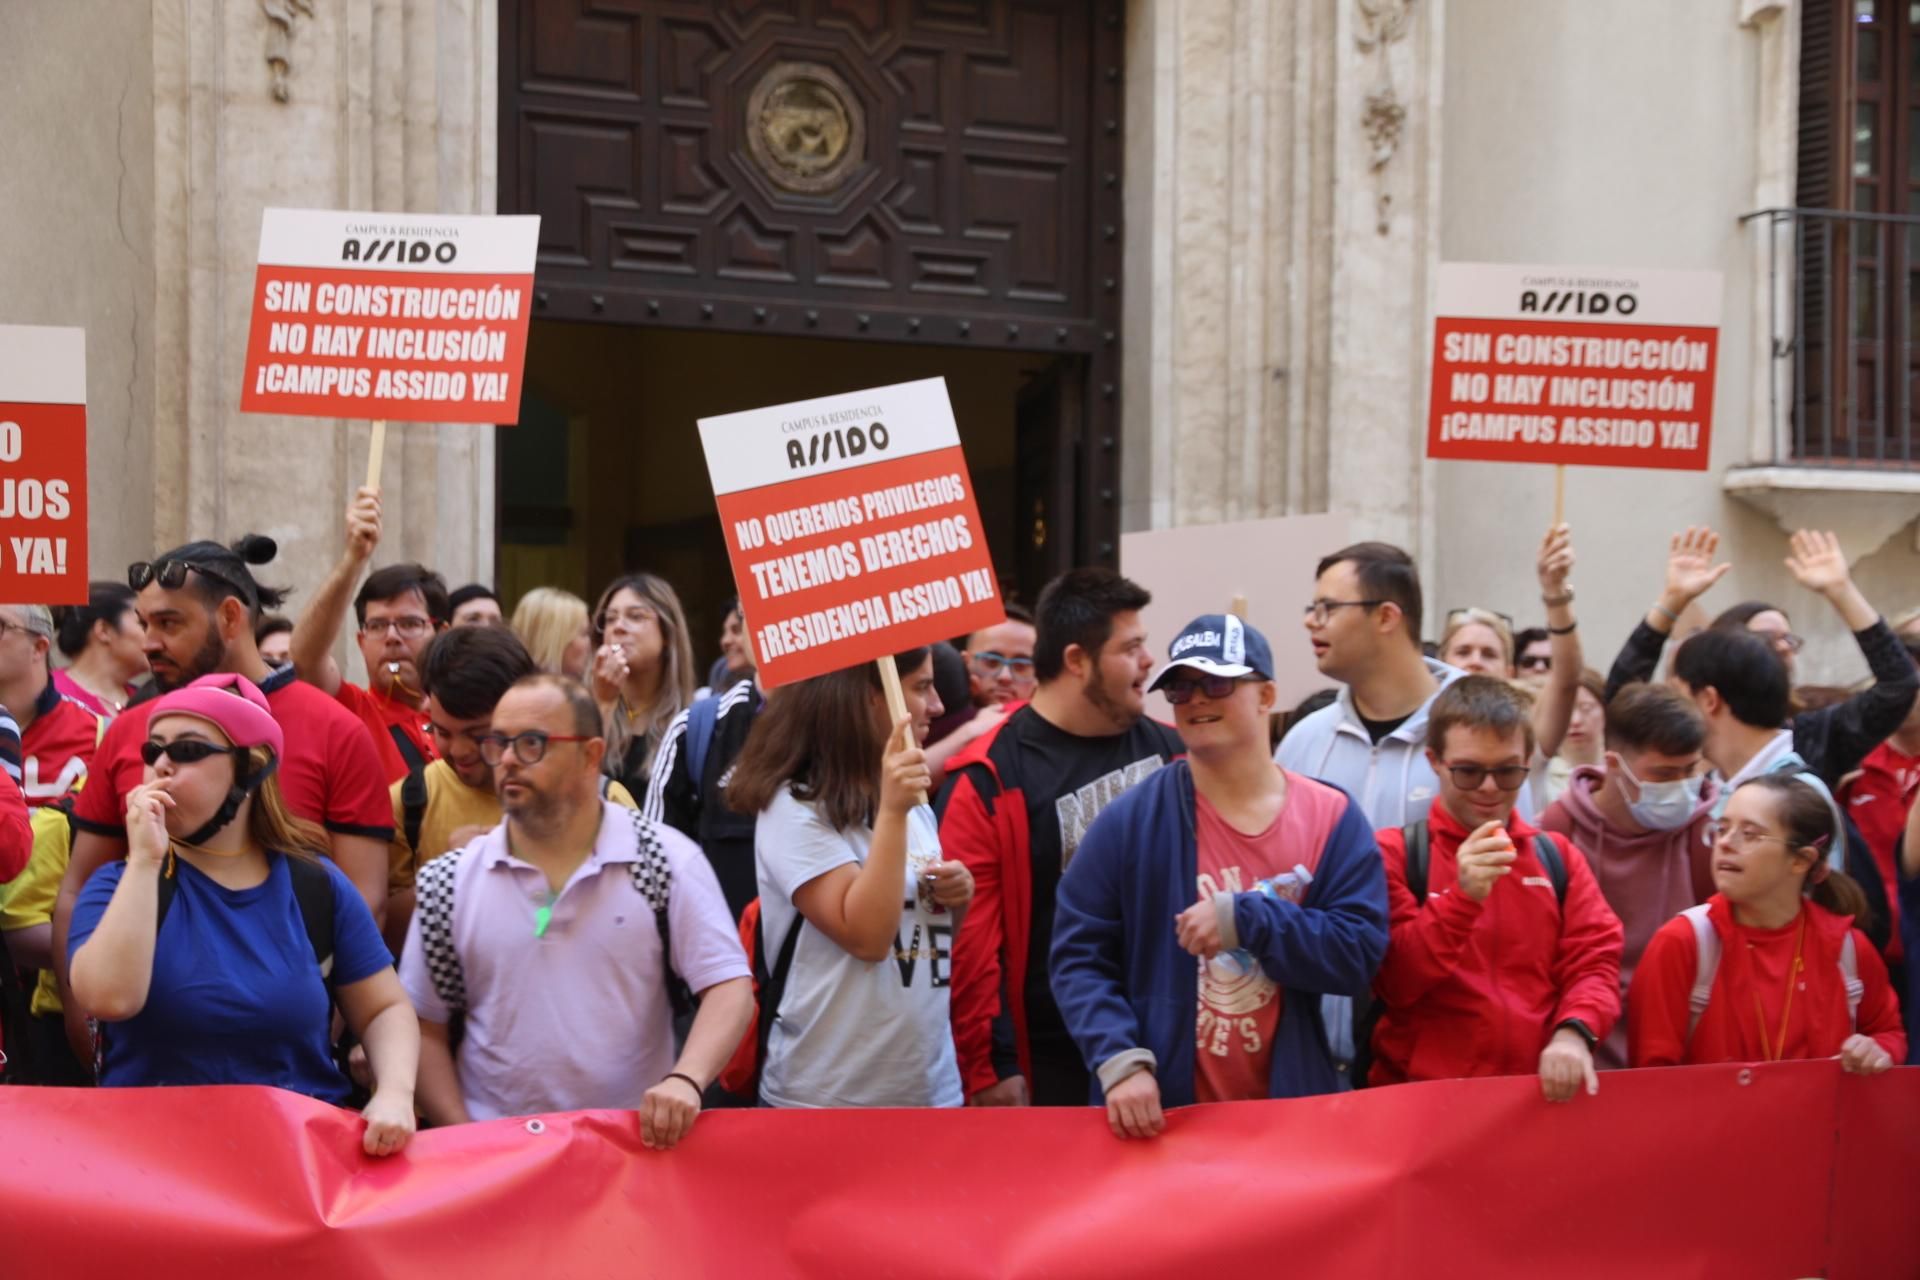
(199, 604)
(1015, 806)
(400, 609)
(563, 933)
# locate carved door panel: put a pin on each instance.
(928, 171)
(1046, 498)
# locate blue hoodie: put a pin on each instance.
(1131, 995)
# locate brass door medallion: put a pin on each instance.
(805, 128)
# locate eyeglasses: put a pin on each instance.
(7, 624)
(991, 664)
(172, 575)
(1320, 610)
(1506, 777)
(1739, 837)
(1785, 641)
(1180, 690)
(636, 616)
(414, 626)
(181, 751)
(1473, 614)
(528, 748)
(1536, 662)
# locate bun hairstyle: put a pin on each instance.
(228, 572)
(73, 623)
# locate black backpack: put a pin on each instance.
(1419, 841)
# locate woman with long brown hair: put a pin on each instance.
(842, 841)
(1771, 966)
(217, 948)
(642, 673)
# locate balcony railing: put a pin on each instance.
(1843, 293)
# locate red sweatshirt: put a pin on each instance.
(1477, 988)
(1755, 964)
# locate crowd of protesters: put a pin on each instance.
(550, 859)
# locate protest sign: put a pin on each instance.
(43, 465)
(1574, 365)
(851, 524)
(1202, 568)
(410, 317)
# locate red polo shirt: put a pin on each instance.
(330, 773)
(57, 748)
(382, 716)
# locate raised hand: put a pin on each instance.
(363, 524)
(1690, 567)
(1817, 563)
(1555, 560)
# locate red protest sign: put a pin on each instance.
(852, 528)
(43, 465)
(1580, 366)
(406, 317)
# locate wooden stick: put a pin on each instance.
(1238, 608)
(1559, 494)
(376, 452)
(896, 704)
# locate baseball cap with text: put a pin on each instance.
(1217, 644)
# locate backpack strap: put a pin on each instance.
(408, 752)
(1850, 975)
(701, 719)
(1706, 964)
(653, 880)
(772, 985)
(433, 904)
(1419, 838)
(413, 808)
(1556, 867)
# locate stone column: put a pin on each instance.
(384, 105)
(1282, 225)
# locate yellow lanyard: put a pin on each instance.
(1771, 1051)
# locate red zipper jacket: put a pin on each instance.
(1729, 1029)
(1476, 988)
(988, 832)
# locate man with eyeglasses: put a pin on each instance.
(562, 933)
(1265, 884)
(57, 735)
(199, 604)
(400, 609)
(1832, 740)
(1504, 957)
(999, 664)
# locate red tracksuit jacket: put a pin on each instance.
(1729, 1031)
(1476, 988)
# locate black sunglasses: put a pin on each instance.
(1179, 691)
(172, 575)
(181, 751)
(1470, 777)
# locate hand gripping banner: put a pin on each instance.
(1773, 1171)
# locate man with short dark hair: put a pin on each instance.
(999, 665)
(57, 735)
(1642, 821)
(475, 605)
(1016, 804)
(399, 610)
(1504, 958)
(562, 934)
(274, 637)
(1533, 656)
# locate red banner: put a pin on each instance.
(1779, 1171)
(43, 465)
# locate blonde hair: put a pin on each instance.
(1461, 618)
(547, 620)
(274, 826)
(676, 675)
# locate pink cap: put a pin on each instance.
(232, 704)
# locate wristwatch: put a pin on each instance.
(1565, 597)
(1582, 1030)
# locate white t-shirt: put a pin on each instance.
(849, 1033)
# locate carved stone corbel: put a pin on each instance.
(1383, 115)
(280, 17)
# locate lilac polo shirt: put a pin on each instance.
(577, 1018)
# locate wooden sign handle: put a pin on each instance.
(1238, 608)
(1559, 494)
(376, 452)
(896, 704)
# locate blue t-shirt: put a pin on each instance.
(236, 997)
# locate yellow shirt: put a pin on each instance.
(451, 805)
(28, 898)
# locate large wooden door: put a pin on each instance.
(926, 171)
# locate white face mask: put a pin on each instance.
(1662, 806)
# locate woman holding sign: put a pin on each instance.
(858, 910)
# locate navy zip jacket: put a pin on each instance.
(1123, 983)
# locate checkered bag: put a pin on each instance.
(433, 902)
(653, 880)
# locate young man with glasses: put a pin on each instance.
(562, 934)
(1832, 740)
(1211, 907)
(1504, 957)
(999, 665)
(399, 610)
(57, 735)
